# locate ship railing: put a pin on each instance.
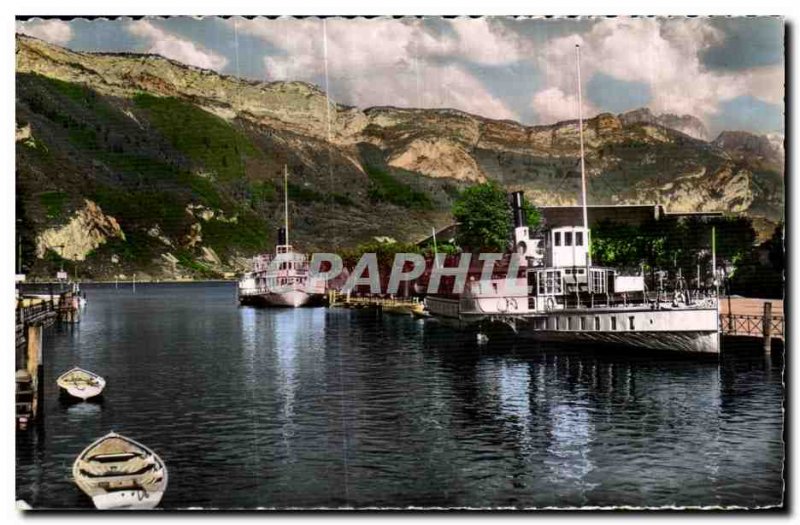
(265, 263)
(633, 299)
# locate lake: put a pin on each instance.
(321, 408)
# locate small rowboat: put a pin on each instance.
(119, 473)
(81, 383)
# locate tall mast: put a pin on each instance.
(583, 167)
(286, 201)
(435, 250)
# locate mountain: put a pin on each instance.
(138, 163)
(766, 151)
(688, 124)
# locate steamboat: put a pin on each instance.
(559, 296)
(283, 278)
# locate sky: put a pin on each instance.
(728, 72)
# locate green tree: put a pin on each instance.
(776, 249)
(485, 219)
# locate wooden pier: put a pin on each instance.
(390, 304)
(753, 325)
(33, 314)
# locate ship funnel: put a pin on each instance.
(281, 236)
(517, 200)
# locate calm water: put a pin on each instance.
(327, 408)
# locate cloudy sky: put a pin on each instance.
(729, 72)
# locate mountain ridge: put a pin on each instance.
(108, 118)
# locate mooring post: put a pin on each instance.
(766, 324)
(34, 366)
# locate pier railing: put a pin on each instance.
(752, 325)
(31, 312)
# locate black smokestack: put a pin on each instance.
(281, 235)
(517, 209)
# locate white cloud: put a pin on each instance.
(664, 54)
(478, 40)
(53, 31)
(390, 62)
(553, 105)
(174, 47)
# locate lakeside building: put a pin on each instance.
(559, 216)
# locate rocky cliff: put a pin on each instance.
(688, 124)
(188, 164)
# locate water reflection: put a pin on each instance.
(80, 411)
(328, 407)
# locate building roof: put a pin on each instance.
(559, 216)
(634, 214)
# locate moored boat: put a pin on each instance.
(558, 295)
(120, 473)
(282, 279)
(81, 383)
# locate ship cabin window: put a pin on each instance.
(550, 282)
(578, 238)
(613, 323)
(557, 238)
(597, 323)
(630, 323)
(567, 238)
(598, 281)
(569, 323)
(583, 323)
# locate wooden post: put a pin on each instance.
(34, 365)
(730, 310)
(766, 324)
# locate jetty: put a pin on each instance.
(384, 304)
(34, 313)
(745, 321)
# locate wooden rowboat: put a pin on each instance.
(81, 383)
(120, 473)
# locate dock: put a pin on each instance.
(383, 304)
(753, 320)
(33, 314)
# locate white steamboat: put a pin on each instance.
(560, 296)
(282, 279)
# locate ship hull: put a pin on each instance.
(695, 342)
(684, 330)
(290, 299)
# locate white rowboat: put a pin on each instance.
(120, 473)
(81, 383)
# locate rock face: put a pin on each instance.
(688, 124)
(765, 150)
(201, 155)
(87, 229)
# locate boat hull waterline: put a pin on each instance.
(690, 330)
